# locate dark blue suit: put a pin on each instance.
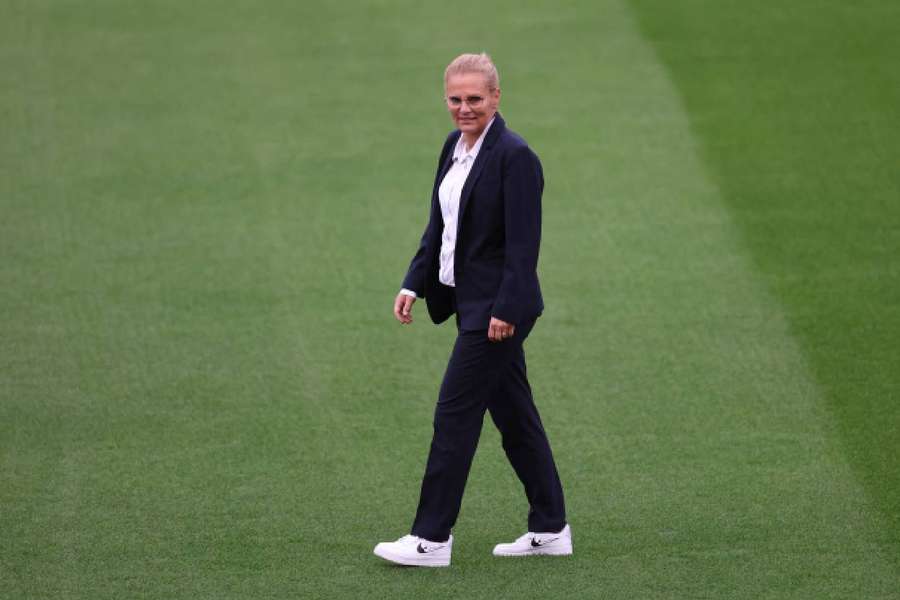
(497, 239)
(495, 272)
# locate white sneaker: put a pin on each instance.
(530, 544)
(416, 552)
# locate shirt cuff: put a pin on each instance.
(407, 292)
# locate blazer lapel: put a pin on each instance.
(448, 162)
(493, 133)
(442, 172)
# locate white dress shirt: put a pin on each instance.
(449, 194)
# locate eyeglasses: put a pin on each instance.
(474, 102)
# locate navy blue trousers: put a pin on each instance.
(484, 375)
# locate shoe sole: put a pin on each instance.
(536, 552)
(425, 561)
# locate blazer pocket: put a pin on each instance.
(493, 254)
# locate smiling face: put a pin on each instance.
(471, 103)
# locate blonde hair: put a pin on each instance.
(474, 63)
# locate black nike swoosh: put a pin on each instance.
(536, 543)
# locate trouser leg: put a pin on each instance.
(472, 376)
(514, 413)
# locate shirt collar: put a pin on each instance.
(460, 151)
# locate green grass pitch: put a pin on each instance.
(206, 209)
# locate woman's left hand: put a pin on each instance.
(500, 330)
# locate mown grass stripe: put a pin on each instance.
(796, 112)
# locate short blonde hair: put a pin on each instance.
(474, 63)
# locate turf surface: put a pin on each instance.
(207, 210)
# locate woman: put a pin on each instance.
(478, 260)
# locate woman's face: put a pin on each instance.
(471, 104)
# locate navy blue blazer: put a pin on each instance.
(497, 239)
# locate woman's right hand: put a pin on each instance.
(403, 308)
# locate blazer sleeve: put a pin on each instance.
(523, 184)
(415, 275)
